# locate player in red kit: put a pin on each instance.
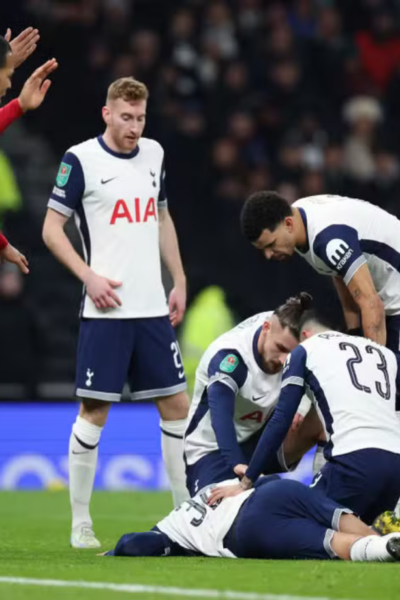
(12, 54)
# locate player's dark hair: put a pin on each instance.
(315, 317)
(291, 313)
(5, 49)
(263, 210)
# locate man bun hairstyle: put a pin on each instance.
(129, 89)
(263, 210)
(5, 50)
(290, 314)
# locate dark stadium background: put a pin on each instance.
(301, 96)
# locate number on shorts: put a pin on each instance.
(177, 359)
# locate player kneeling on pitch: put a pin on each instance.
(238, 383)
(351, 382)
(278, 519)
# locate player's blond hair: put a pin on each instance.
(129, 89)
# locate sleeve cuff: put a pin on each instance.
(354, 268)
(60, 208)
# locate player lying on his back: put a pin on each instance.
(237, 387)
(279, 519)
(352, 384)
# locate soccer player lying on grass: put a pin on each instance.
(352, 384)
(278, 519)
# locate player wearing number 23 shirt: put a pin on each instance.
(352, 384)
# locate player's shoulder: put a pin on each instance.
(149, 146)
(84, 148)
(315, 200)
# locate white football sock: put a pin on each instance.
(83, 451)
(172, 450)
(371, 548)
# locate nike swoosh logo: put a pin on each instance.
(258, 397)
(103, 181)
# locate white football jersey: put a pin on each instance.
(345, 233)
(201, 528)
(233, 360)
(115, 199)
(352, 383)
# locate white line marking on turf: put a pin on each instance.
(131, 588)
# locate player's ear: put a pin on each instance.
(289, 223)
(266, 326)
(305, 334)
(105, 111)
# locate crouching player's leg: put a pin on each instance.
(287, 520)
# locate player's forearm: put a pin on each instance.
(274, 433)
(60, 246)
(9, 113)
(221, 400)
(373, 320)
(3, 241)
(169, 248)
(350, 309)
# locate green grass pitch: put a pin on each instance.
(34, 536)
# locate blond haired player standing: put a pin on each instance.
(114, 185)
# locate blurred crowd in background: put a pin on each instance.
(301, 96)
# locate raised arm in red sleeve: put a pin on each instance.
(9, 113)
(3, 241)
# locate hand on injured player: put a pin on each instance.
(101, 291)
(227, 491)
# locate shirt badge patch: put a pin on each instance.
(63, 174)
(229, 364)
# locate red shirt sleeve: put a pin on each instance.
(3, 241)
(9, 113)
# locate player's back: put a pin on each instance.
(198, 527)
(372, 222)
(352, 380)
(343, 233)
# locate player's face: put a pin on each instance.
(277, 343)
(278, 244)
(125, 122)
(5, 76)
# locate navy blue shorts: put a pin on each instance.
(141, 352)
(367, 481)
(285, 520)
(212, 467)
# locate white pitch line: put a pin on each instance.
(131, 588)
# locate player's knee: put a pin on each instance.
(173, 408)
(94, 411)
